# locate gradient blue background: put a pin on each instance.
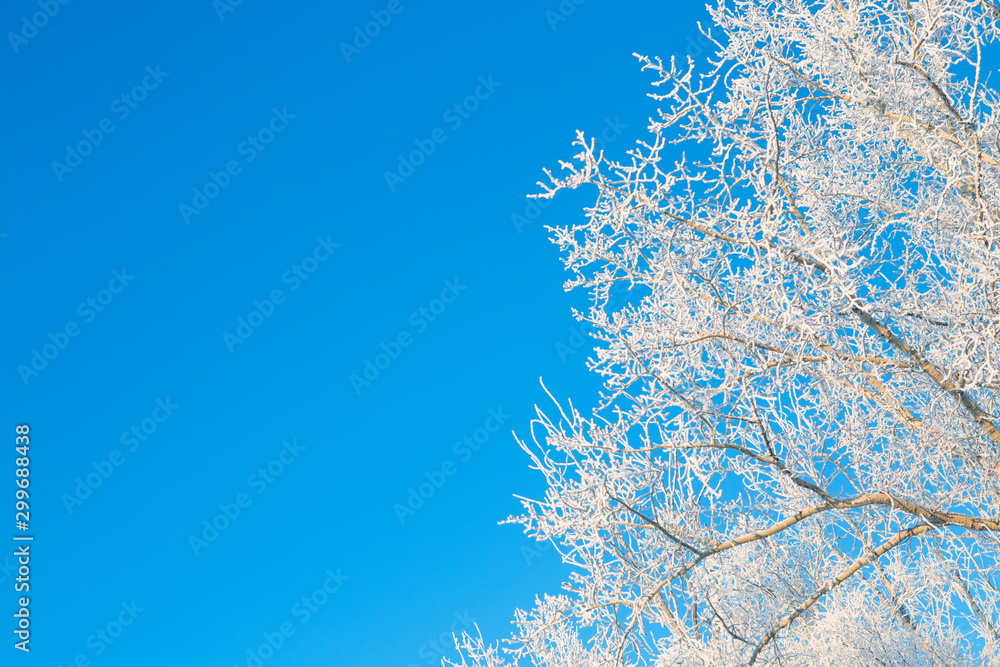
(162, 336)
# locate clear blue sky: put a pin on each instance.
(202, 246)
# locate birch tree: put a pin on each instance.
(794, 460)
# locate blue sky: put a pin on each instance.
(202, 247)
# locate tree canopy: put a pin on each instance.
(795, 457)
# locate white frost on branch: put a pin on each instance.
(795, 459)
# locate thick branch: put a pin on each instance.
(890, 544)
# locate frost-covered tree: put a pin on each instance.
(795, 457)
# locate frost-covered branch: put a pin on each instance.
(796, 457)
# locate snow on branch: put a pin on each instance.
(795, 459)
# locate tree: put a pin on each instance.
(795, 457)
